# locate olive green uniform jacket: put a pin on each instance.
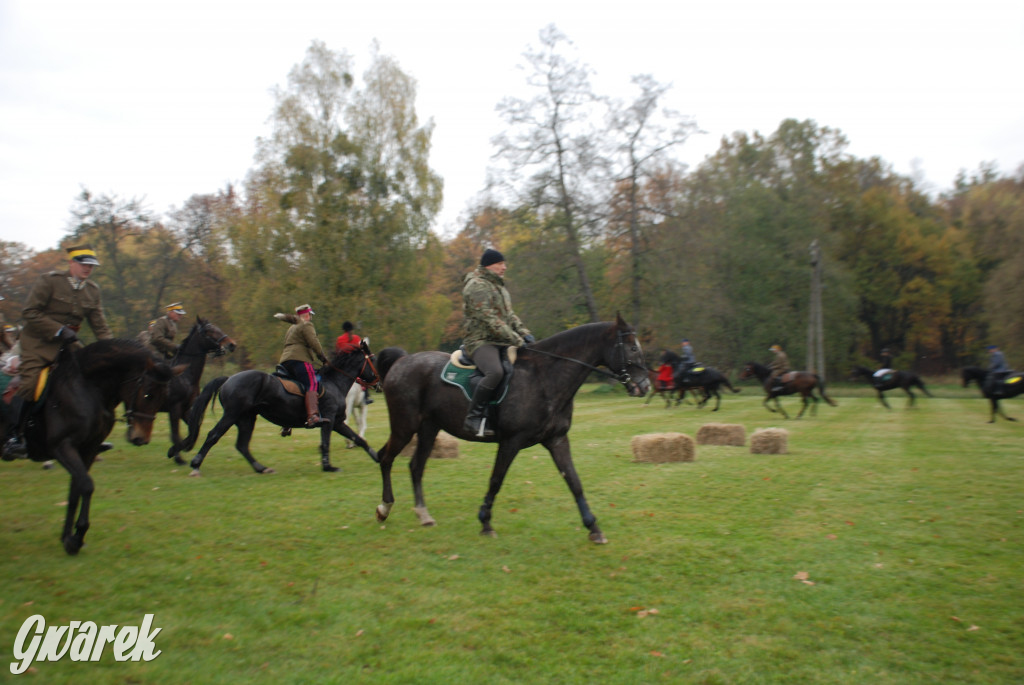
(488, 318)
(159, 337)
(54, 302)
(301, 344)
(779, 365)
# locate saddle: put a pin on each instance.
(882, 376)
(1007, 385)
(461, 372)
(294, 386)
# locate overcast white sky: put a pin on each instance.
(165, 99)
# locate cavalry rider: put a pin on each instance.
(301, 349)
(687, 361)
(159, 337)
(779, 365)
(350, 338)
(489, 324)
(56, 306)
(998, 369)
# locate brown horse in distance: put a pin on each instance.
(789, 383)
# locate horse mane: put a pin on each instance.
(196, 327)
(572, 337)
(77, 360)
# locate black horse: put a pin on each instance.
(1011, 386)
(249, 394)
(891, 380)
(203, 340)
(789, 383)
(536, 410)
(76, 414)
(705, 378)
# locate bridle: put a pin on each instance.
(367, 361)
(219, 351)
(129, 407)
(621, 376)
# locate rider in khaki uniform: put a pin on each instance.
(56, 306)
(779, 365)
(159, 337)
(301, 351)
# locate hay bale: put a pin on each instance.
(660, 448)
(445, 447)
(769, 441)
(722, 434)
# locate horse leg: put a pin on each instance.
(506, 453)
(79, 499)
(424, 444)
(215, 434)
(386, 457)
(174, 451)
(560, 452)
(246, 425)
(910, 393)
(881, 398)
(718, 400)
(325, 447)
(355, 439)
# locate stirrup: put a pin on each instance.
(314, 421)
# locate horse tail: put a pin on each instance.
(821, 387)
(386, 358)
(727, 384)
(197, 411)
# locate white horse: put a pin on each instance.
(356, 410)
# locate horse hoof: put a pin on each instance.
(72, 546)
(491, 533)
(267, 470)
(598, 538)
(194, 473)
(329, 469)
(179, 461)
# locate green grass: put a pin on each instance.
(907, 525)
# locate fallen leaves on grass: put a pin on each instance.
(803, 577)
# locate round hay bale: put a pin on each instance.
(769, 441)
(661, 448)
(722, 434)
(445, 447)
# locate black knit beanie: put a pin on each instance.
(491, 257)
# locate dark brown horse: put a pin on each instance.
(203, 340)
(890, 380)
(250, 394)
(76, 414)
(536, 410)
(790, 383)
(995, 390)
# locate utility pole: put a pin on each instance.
(815, 325)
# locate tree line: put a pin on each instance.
(595, 214)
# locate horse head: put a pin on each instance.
(144, 395)
(212, 339)
(348, 355)
(626, 359)
(748, 371)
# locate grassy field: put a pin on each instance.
(885, 547)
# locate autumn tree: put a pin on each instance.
(552, 154)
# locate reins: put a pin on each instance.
(622, 376)
(355, 378)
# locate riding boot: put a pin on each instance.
(313, 419)
(476, 418)
(14, 445)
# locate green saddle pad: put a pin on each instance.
(462, 377)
